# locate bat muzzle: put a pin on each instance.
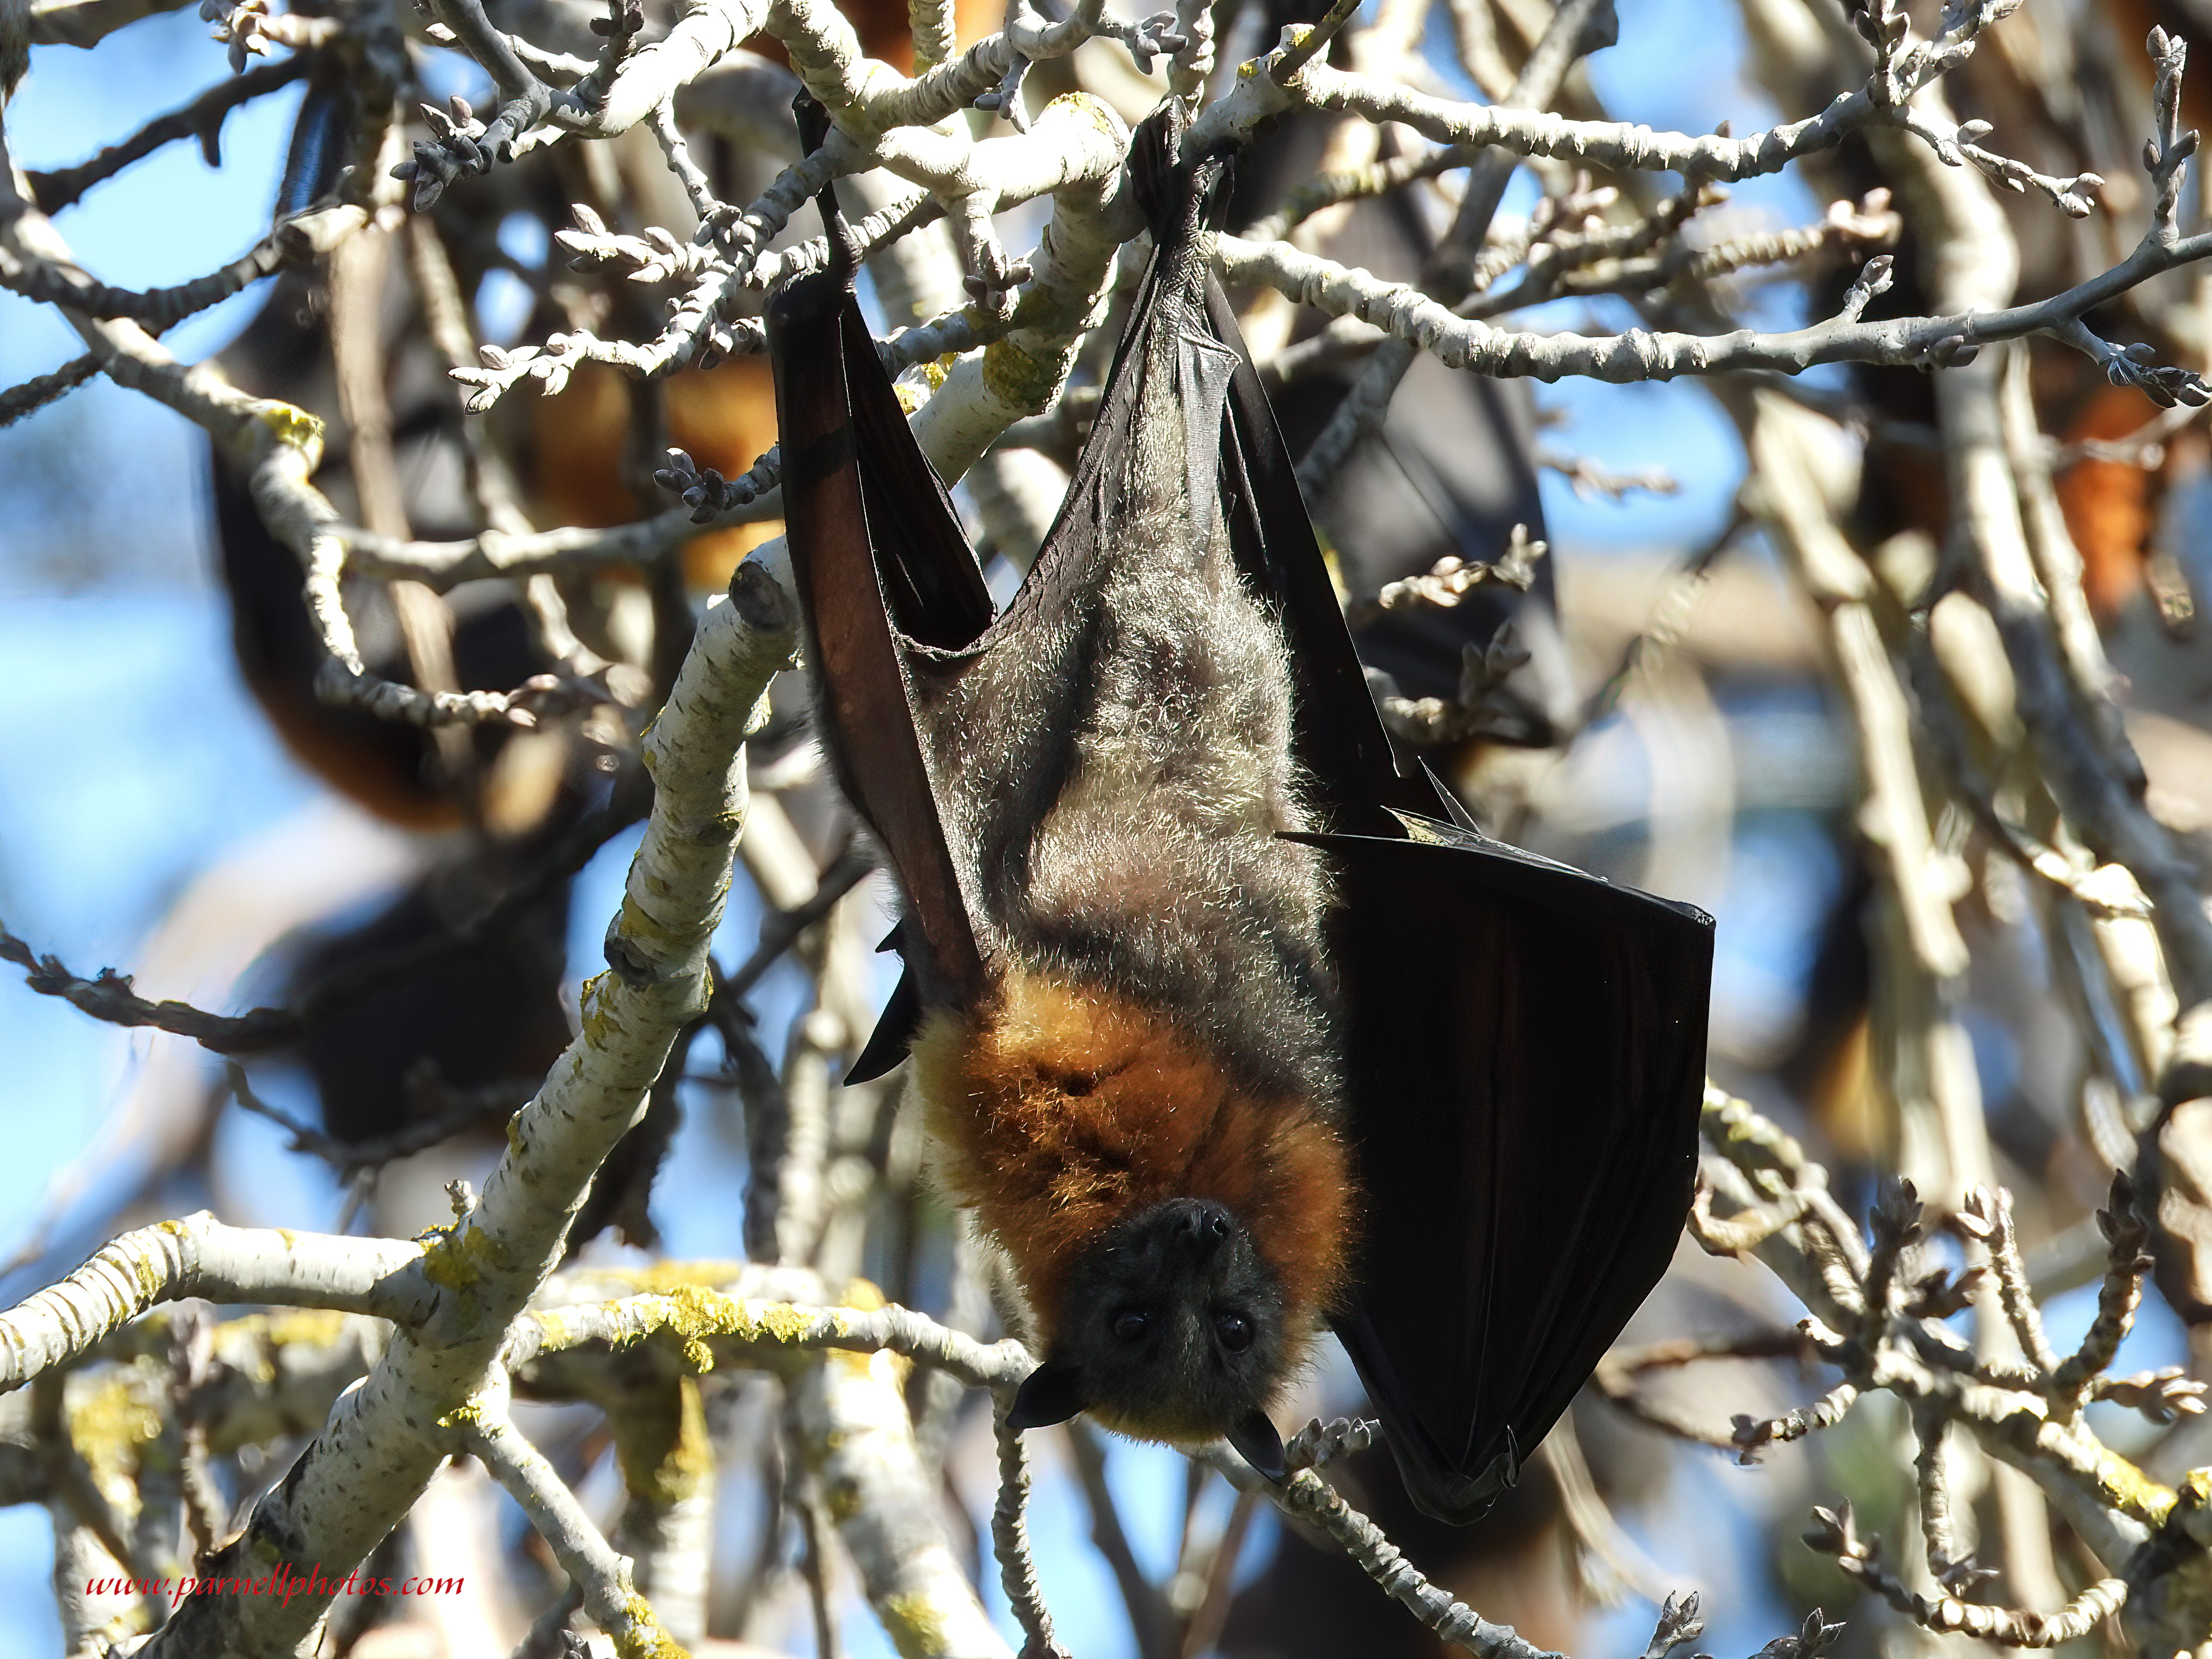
(1195, 1227)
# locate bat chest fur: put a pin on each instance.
(1062, 1108)
(1114, 789)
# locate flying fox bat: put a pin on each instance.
(1225, 1034)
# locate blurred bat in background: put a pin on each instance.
(1226, 1034)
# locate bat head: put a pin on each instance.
(1172, 1327)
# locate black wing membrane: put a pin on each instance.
(882, 566)
(1525, 1042)
(1527, 1068)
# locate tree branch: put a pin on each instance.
(200, 1256)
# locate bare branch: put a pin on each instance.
(590, 1561)
(201, 1256)
(302, 237)
(505, 1244)
(36, 393)
(1902, 343)
(202, 118)
(1833, 1532)
(465, 1111)
(1307, 1497)
(109, 998)
(1986, 1216)
(2117, 1298)
(699, 1320)
(1678, 1624)
(1567, 36)
(1750, 1435)
(1009, 1540)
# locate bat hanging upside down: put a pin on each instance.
(1226, 1036)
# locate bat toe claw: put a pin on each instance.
(1259, 1444)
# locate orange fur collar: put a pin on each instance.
(1064, 1109)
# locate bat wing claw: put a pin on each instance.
(1051, 1394)
(1259, 1444)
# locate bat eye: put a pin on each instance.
(1130, 1326)
(1235, 1332)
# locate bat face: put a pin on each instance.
(1179, 1230)
(1172, 1328)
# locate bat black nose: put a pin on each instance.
(1200, 1226)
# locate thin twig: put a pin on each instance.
(473, 1109)
(202, 118)
(295, 240)
(1010, 1541)
(109, 997)
(590, 1561)
(1986, 1216)
(40, 390)
(1309, 1497)
(780, 929)
(2118, 1297)
(1834, 1534)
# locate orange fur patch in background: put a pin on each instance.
(2107, 503)
(1064, 1110)
(723, 417)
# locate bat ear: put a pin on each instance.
(1257, 1443)
(1051, 1393)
